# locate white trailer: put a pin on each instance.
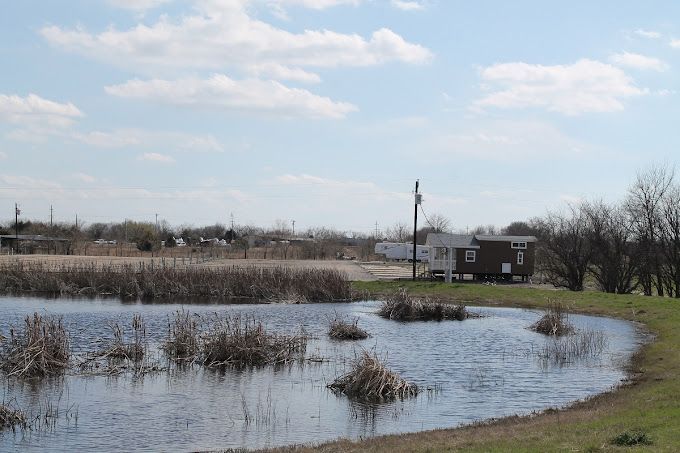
(402, 251)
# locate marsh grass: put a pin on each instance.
(148, 282)
(340, 328)
(12, 418)
(244, 341)
(41, 348)
(371, 379)
(582, 344)
(132, 347)
(554, 322)
(401, 306)
(183, 341)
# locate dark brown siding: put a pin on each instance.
(492, 254)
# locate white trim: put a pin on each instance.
(518, 245)
(470, 254)
(520, 258)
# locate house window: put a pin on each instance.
(520, 257)
(519, 245)
(470, 256)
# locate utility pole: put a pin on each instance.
(418, 199)
(16, 225)
(156, 223)
(293, 227)
(51, 217)
(126, 236)
(232, 221)
(376, 229)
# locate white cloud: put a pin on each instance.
(407, 5)
(675, 43)
(35, 111)
(585, 86)
(647, 34)
(315, 4)
(137, 5)
(84, 177)
(122, 138)
(637, 61)
(220, 91)
(106, 139)
(280, 72)
(510, 141)
(3, 155)
(222, 34)
(156, 157)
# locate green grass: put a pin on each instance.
(649, 406)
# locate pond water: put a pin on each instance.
(475, 369)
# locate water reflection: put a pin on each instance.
(471, 370)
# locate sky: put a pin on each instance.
(326, 112)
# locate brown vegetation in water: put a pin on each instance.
(402, 307)
(40, 349)
(133, 350)
(371, 379)
(554, 322)
(244, 341)
(147, 282)
(183, 343)
(343, 329)
(11, 418)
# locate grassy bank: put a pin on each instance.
(148, 282)
(649, 404)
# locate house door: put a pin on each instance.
(506, 268)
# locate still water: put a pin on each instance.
(476, 369)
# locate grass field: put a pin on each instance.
(649, 404)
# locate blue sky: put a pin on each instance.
(326, 111)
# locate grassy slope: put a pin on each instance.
(651, 403)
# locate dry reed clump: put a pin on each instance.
(584, 344)
(183, 343)
(40, 349)
(133, 350)
(11, 418)
(402, 307)
(371, 379)
(243, 341)
(554, 322)
(149, 282)
(343, 329)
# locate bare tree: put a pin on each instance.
(565, 252)
(669, 239)
(438, 223)
(614, 259)
(399, 232)
(644, 206)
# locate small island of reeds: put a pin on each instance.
(401, 306)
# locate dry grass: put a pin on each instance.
(183, 343)
(554, 322)
(134, 349)
(11, 418)
(243, 341)
(149, 282)
(582, 345)
(40, 349)
(342, 329)
(371, 379)
(401, 306)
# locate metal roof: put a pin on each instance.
(461, 241)
(32, 237)
(483, 237)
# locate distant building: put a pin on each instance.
(36, 243)
(482, 256)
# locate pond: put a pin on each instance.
(472, 370)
